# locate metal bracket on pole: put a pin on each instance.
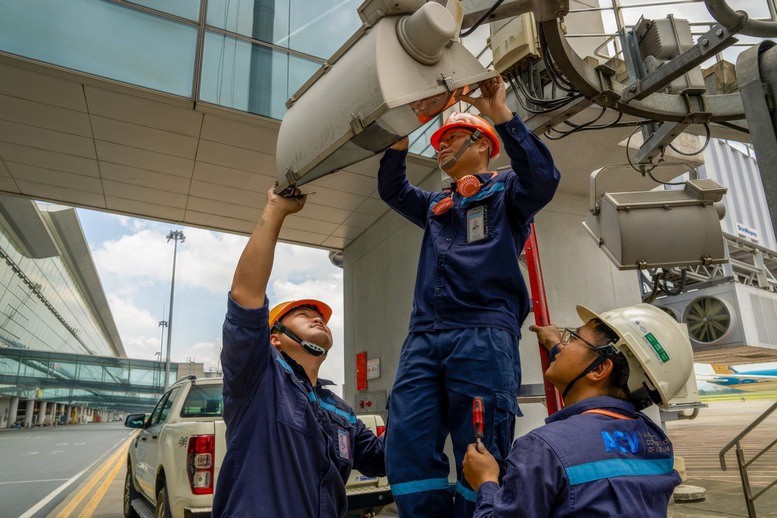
(714, 41)
(653, 146)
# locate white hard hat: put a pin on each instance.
(656, 346)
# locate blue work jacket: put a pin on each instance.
(586, 464)
(463, 284)
(290, 445)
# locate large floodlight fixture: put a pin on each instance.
(659, 228)
(402, 68)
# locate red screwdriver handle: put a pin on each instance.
(477, 417)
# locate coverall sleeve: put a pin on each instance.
(246, 351)
(394, 188)
(535, 177)
(534, 482)
(368, 452)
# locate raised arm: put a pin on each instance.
(249, 284)
(536, 177)
(393, 187)
(246, 350)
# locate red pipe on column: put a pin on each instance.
(541, 314)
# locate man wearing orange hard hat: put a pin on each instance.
(291, 442)
(470, 299)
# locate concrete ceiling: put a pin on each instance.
(78, 140)
(86, 142)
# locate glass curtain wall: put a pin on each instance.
(41, 307)
(249, 55)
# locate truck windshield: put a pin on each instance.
(203, 401)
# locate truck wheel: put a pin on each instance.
(129, 495)
(162, 505)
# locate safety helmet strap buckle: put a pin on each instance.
(309, 347)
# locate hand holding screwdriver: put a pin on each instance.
(477, 419)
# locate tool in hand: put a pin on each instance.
(289, 192)
(477, 418)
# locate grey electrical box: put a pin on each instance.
(652, 229)
(662, 40)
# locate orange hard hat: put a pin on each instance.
(284, 308)
(470, 122)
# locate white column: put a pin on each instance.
(12, 411)
(28, 413)
(53, 412)
(42, 412)
(66, 411)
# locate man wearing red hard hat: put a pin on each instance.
(470, 299)
(291, 442)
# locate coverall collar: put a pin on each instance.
(616, 405)
(300, 372)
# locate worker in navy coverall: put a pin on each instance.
(291, 442)
(597, 456)
(469, 303)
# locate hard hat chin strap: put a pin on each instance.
(593, 365)
(310, 348)
(452, 160)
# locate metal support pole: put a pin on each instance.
(745, 482)
(541, 314)
(175, 235)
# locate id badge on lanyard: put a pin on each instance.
(476, 224)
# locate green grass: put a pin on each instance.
(766, 394)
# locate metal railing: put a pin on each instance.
(743, 464)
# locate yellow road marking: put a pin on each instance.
(98, 496)
(121, 451)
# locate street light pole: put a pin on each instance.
(175, 235)
(163, 325)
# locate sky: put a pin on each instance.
(134, 262)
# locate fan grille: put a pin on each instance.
(708, 319)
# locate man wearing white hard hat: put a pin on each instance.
(598, 456)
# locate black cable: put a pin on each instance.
(706, 143)
(575, 127)
(482, 19)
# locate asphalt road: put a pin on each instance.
(39, 467)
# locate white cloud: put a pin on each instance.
(138, 329)
(206, 353)
(205, 259)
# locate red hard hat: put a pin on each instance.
(470, 122)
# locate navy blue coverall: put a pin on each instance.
(290, 445)
(469, 303)
(583, 463)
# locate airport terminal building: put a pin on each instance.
(51, 302)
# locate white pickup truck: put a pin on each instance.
(174, 462)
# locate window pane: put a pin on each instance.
(203, 401)
(264, 20)
(184, 8)
(316, 27)
(250, 77)
(320, 27)
(104, 39)
(420, 138)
